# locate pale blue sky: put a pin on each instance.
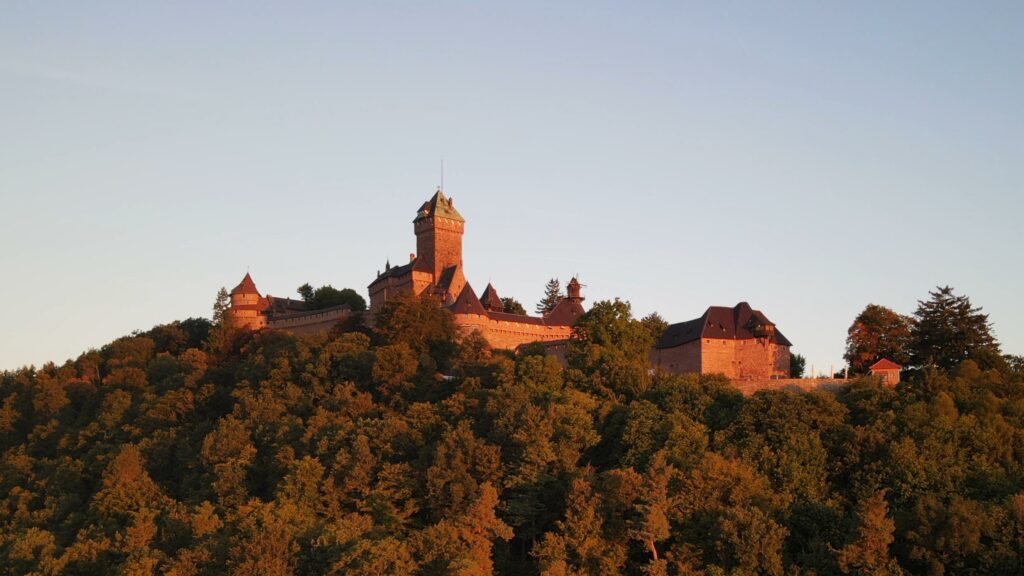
(809, 158)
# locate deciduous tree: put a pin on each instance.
(877, 333)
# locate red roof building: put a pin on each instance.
(888, 370)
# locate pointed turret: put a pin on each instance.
(247, 305)
(491, 300)
(246, 286)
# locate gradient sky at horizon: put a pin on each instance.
(809, 158)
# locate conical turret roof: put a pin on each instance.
(246, 286)
(491, 300)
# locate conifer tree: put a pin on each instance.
(948, 330)
(223, 332)
(552, 296)
(221, 306)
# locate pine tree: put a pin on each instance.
(948, 330)
(223, 332)
(221, 306)
(552, 296)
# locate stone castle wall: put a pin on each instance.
(736, 359)
(245, 311)
(509, 335)
(311, 322)
(679, 359)
(744, 359)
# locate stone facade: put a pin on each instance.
(739, 342)
(248, 307)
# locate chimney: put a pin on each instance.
(411, 256)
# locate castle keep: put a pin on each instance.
(739, 342)
(436, 269)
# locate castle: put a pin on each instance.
(739, 342)
(253, 311)
(436, 269)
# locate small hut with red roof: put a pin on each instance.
(888, 370)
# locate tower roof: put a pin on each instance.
(468, 303)
(438, 206)
(246, 286)
(491, 300)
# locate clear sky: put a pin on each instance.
(809, 158)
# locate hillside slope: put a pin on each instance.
(189, 451)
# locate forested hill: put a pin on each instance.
(197, 449)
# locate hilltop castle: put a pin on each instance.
(436, 269)
(739, 342)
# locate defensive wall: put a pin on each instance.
(301, 323)
(509, 334)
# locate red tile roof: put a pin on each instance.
(467, 302)
(719, 322)
(491, 300)
(246, 286)
(885, 364)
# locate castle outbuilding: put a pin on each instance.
(739, 342)
(888, 370)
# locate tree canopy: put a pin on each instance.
(513, 306)
(329, 296)
(877, 333)
(192, 448)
